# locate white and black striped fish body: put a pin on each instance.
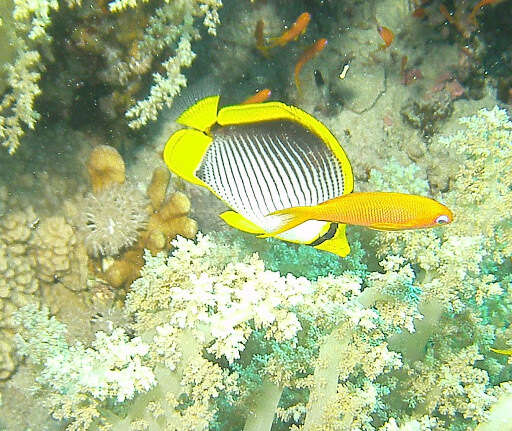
(262, 167)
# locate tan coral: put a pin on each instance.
(105, 167)
(125, 270)
(168, 219)
(60, 257)
(18, 284)
(157, 189)
(171, 220)
(16, 227)
(7, 358)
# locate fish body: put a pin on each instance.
(298, 28)
(478, 6)
(259, 97)
(386, 35)
(376, 210)
(261, 158)
(260, 40)
(307, 55)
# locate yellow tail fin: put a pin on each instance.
(288, 218)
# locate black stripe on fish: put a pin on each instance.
(327, 235)
(263, 167)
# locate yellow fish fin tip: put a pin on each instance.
(239, 222)
(202, 115)
(183, 153)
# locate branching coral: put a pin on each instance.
(227, 344)
(215, 328)
(459, 271)
(225, 301)
(171, 26)
(184, 304)
(460, 262)
(81, 378)
(25, 29)
(17, 106)
(286, 258)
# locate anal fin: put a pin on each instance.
(338, 244)
(386, 227)
(239, 222)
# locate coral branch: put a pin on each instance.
(265, 402)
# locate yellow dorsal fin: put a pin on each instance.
(254, 112)
(202, 115)
(238, 221)
(183, 153)
(269, 111)
(338, 244)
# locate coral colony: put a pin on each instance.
(219, 340)
(127, 304)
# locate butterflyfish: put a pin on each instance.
(261, 158)
(385, 211)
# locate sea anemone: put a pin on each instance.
(112, 218)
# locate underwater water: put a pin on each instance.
(167, 261)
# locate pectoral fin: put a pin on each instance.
(288, 218)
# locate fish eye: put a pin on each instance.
(442, 219)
